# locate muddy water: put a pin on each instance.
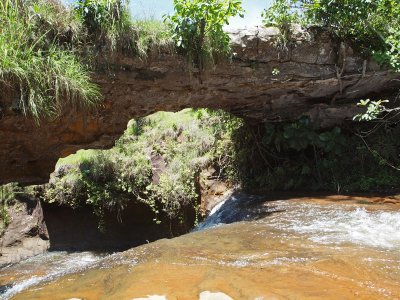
(324, 248)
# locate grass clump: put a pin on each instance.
(108, 23)
(151, 37)
(47, 50)
(46, 76)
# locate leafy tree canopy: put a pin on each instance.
(197, 27)
(371, 26)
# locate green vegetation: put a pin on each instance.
(107, 22)
(7, 195)
(283, 15)
(295, 156)
(197, 28)
(159, 158)
(152, 37)
(48, 50)
(369, 26)
(47, 76)
(373, 111)
(157, 162)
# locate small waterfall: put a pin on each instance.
(238, 207)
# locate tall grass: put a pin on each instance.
(152, 36)
(48, 49)
(108, 23)
(47, 77)
(110, 27)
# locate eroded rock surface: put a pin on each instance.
(36, 227)
(305, 83)
(26, 234)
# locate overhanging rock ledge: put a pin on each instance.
(260, 84)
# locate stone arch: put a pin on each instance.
(304, 83)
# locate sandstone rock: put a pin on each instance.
(213, 190)
(307, 85)
(26, 235)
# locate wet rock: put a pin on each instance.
(237, 207)
(26, 235)
(213, 190)
(5, 287)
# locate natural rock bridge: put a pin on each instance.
(316, 78)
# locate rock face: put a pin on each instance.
(26, 234)
(213, 190)
(36, 227)
(262, 83)
(77, 229)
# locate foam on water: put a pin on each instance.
(207, 295)
(235, 208)
(61, 263)
(276, 234)
(152, 297)
(334, 224)
(327, 224)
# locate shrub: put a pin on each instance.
(281, 14)
(295, 156)
(197, 28)
(7, 195)
(108, 22)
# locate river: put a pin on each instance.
(330, 247)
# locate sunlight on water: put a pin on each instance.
(330, 224)
(248, 249)
(44, 268)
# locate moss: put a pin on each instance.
(157, 162)
(80, 157)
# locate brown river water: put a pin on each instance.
(331, 247)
